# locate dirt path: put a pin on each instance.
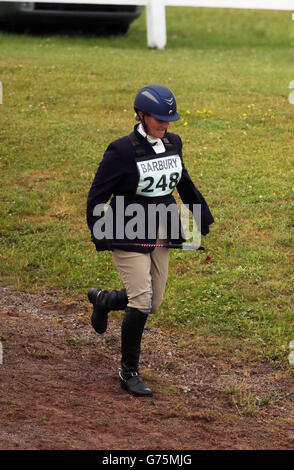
(59, 388)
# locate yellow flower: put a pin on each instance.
(188, 111)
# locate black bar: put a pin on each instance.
(159, 245)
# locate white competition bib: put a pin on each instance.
(158, 174)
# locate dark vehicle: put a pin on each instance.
(105, 18)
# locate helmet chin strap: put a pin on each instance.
(144, 125)
(142, 120)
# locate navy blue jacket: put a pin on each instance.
(117, 175)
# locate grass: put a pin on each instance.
(65, 97)
(250, 404)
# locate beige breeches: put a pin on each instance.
(144, 276)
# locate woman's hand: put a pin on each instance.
(103, 245)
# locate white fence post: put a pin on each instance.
(156, 24)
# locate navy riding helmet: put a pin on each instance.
(157, 101)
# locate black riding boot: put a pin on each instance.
(103, 302)
(131, 335)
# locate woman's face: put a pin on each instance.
(156, 128)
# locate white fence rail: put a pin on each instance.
(155, 9)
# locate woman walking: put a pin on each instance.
(139, 171)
